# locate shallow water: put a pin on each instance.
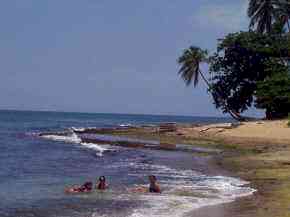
(34, 171)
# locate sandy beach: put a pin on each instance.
(247, 134)
(257, 131)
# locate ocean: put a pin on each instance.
(35, 170)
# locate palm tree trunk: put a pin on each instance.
(204, 79)
(235, 115)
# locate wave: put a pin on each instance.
(126, 125)
(67, 137)
(100, 149)
(72, 137)
(82, 129)
(183, 190)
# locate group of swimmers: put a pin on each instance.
(102, 185)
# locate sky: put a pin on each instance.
(108, 56)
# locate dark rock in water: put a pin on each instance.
(167, 127)
(135, 143)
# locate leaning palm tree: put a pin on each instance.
(264, 13)
(190, 71)
(190, 65)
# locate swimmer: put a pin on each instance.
(102, 185)
(153, 186)
(86, 187)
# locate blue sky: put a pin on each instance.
(108, 56)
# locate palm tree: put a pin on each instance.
(190, 65)
(190, 62)
(263, 13)
(283, 12)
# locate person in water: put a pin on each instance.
(86, 187)
(102, 185)
(153, 186)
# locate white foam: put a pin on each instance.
(175, 205)
(125, 125)
(100, 149)
(183, 190)
(69, 138)
(81, 129)
(73, 138)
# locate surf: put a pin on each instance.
(72, 138)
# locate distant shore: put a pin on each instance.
(258, 152)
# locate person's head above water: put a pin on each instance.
(102, 179)
(102, 183)
(154, 187)
(152, 178)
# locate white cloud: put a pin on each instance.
(225, 17)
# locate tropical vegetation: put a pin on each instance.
(264, 14)
(248, 68)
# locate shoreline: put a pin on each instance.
(264, 162)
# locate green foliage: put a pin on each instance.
(273, 94)
(289, 120)
(264, 14)
(190, 71)
(248, 66)
(236, 68)
(242, 61)
(190, 62)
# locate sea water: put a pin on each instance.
(35, 170)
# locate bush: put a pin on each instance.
(289, 120)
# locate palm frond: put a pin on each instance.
(190, 62)
(263, 13)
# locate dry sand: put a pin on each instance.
(261, 129)
(258, 131)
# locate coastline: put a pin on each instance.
(263, 161)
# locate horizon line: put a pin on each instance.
(108, 113)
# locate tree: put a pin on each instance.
(236, 69)
(244, 60)
(247, 66)
(273, 94)
(283, 12)
(262, 14)
(190, 62)
(190, 71)
(265, 13)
